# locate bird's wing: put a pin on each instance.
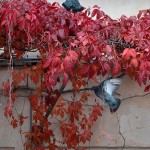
(110, 86)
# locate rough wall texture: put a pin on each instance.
(131, 123)
(115, 8)
(8, 136)
(129, 126)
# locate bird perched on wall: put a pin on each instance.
(105, 91)
(73, 5)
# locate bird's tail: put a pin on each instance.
(67, 5)
(73, 4)
(115, 108)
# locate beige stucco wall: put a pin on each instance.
(115, 8)
(133, 114)
(8, 136)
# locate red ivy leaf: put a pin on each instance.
(107, 67)
(97, 13)
(128, 52)
(61, 33)
(86, 136)
(28, 145)
(134, 62)
(74, 55)
(18, 53)
(30, 17)
(83, 70)
(108, 49)
(47, 63)
(116, 70)
(65, 79)
(55, 62)
(68, 64)
(139, 14)
(96, 7)
(14, 123)
(85, 42)
(133, 52)
(147, 88)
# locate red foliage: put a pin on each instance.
(77, 47)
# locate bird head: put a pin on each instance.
(93, 88)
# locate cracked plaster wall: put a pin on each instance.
(134, 119)
(133, 114)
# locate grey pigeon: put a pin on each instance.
(73, 4)
(105, 91)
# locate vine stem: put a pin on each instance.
(142, 95)
(20, 128)
(10, 65)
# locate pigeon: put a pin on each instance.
(105, 91)
(73, 5)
